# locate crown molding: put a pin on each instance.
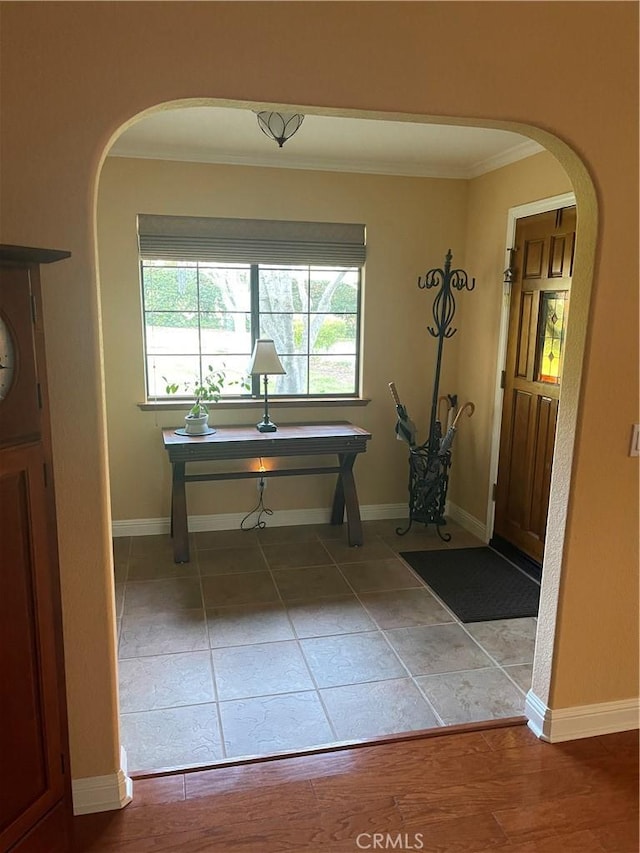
(414, 170)
(505, 158)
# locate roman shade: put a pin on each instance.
(251, 241)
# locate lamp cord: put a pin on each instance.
(259, 508)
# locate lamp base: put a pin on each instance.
(266, 427)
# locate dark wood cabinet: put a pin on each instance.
(35, 789)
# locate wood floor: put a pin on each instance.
(497, 788)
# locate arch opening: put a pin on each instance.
(581, 185)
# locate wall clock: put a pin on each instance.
(7, 359)
(36, 799)
(22, 372)
(20, 415)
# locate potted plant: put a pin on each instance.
(207, 391)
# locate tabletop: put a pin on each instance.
(235, 442)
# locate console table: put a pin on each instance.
(245, 442)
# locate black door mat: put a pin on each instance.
(478, 584)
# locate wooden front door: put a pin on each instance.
(533, 373)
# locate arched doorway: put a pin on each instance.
(103, 284)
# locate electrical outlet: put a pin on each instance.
(634, 447)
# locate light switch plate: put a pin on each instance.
(634, 448)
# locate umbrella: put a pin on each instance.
(405, 427)
(447, 441)
(444, 421)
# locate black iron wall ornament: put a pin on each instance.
(429, 463)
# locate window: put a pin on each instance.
(210, 287)
(552, 323)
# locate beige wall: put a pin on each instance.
(428, 217)
(489, 200)
(74, 73)
(410, 225)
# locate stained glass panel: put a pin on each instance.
(552, 321)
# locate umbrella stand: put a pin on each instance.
(428, 482)
(430, 462)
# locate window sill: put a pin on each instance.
(258, 403)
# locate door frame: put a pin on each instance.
(513, 214)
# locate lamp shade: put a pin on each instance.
(264, 359)
(279, 126)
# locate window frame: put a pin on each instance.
(153, 400)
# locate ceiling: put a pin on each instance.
(330, 143)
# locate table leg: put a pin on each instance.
(346, 496)
(179, 530)
(337, 510)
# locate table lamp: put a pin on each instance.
(265, 362)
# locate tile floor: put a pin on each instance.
(285, 638)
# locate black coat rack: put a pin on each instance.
(429, 463)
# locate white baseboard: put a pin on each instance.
(468, 521)
(378, 512)
(231, 521)
(581, 721)
(103, 793)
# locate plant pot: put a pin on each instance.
(197, 424)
